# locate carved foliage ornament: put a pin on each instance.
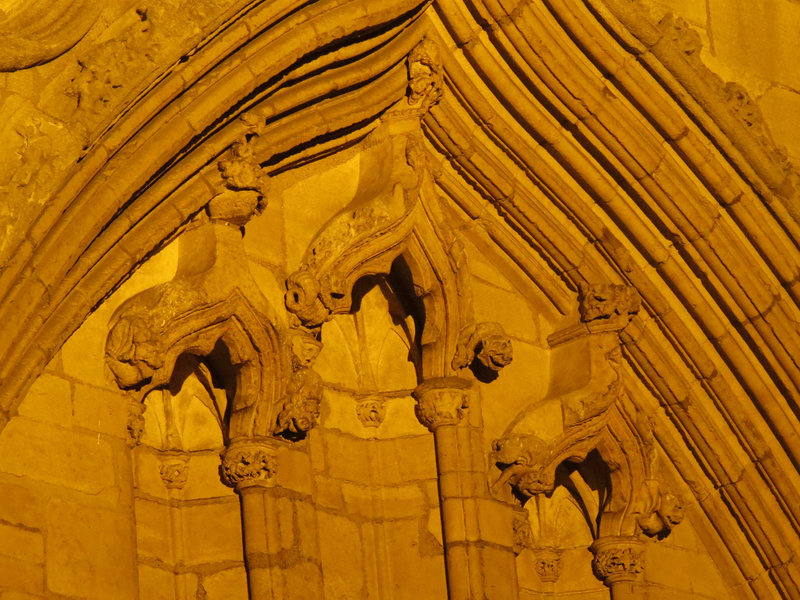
(247, 464)
(608, 302)
(547, 563)
(617, 559)
(442, 401)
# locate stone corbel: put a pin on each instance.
(485, 349)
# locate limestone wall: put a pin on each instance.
(757, 45)
(507, 489)
(84, 515)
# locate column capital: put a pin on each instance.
(247, 463)
(617, 559)
(442, 401)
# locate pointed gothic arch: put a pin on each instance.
(595, 135)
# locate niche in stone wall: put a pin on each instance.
(556, 531)
(372, 354)
(188, 524)
(376, 474)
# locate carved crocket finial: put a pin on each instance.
(425, 75)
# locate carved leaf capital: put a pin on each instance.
(442, 401)
(547, 563)
(617, 559)
(248, 463)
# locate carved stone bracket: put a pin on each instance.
(442, 401)
(483, 347)
(248, 463)
(371, 411)
(617, 559)
(174, 471)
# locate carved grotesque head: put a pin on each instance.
(305, 350)
(131, 353)
(494, 351)
(671, 510)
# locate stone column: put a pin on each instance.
(442, 403)
(618, 561)
(249, 466)
(174, 471)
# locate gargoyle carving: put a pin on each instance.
(483, 346)
(529, 464)
(313, 300)
(657, 512)
(371, 411)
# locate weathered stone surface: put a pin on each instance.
(89, 552)
(74, 460)
(332, 300)
(49, 400)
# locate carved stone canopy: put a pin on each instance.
(212, 300)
